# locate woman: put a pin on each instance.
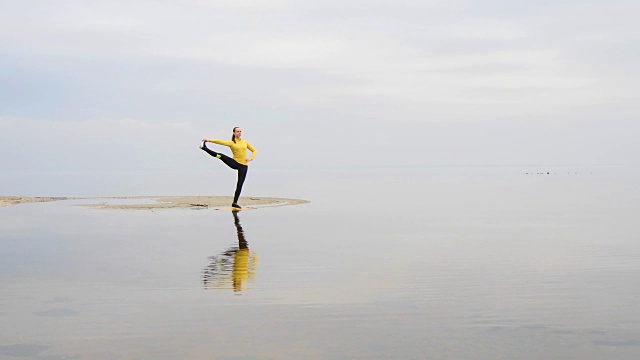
(239, 161)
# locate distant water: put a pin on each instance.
(413, 263)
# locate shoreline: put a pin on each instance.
(160, 202)
(15, 200)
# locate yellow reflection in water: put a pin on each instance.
(233, 268)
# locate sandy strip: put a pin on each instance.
(193, 202)
(161, 202)
(14, 200)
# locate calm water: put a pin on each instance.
(383, 264)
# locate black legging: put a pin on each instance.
(242, 170)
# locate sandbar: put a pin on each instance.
(161, 202)
(14, 200)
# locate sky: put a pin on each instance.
(113, 88)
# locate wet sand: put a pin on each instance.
(14, 200)
(186, 202)
(161, 202)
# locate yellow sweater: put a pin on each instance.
(239, 149)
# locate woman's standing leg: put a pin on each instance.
(242, 174)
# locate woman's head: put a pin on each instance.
(237, 134)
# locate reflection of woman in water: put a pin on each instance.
(233, 267)
(239, 162)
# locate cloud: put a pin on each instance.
(119, 144)
(297, 73)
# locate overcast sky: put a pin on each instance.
(133, 85)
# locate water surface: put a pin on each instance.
(383, 263)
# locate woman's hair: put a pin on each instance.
(233, 134)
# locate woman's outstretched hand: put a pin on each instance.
(205, 140)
